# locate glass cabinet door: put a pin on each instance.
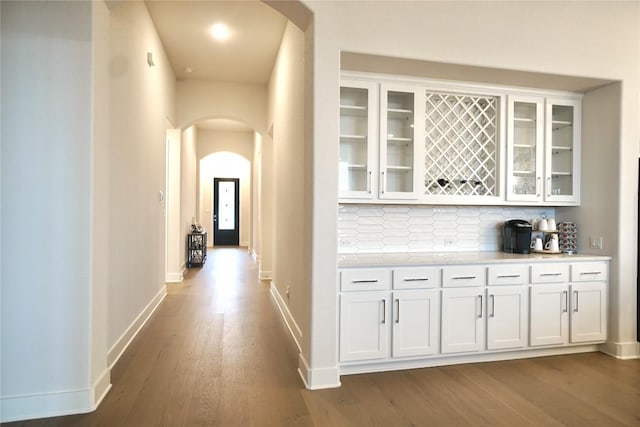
(562, 150)
(525, 144)
(398, 156)
(357, 140)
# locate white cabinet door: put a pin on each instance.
(415, 322)
(525, 148)
(562, 151)
(462, 319)
(364, 326)
(358, 140)
(400, 142)
(588, 312)
(549, 317)
(507, 317)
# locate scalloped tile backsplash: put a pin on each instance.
(375, 228)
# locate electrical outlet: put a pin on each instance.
(345, 242)
(595, 242)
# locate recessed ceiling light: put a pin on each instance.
(220, 32)
(188, 70)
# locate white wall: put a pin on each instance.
(255, 246)
(286, 109)
(175, 244)
(188, 186)
(592, 39)
(246, 103)
(142, 99)
(46, 122)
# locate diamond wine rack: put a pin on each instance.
(460, 144)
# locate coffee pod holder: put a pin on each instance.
(568, 238)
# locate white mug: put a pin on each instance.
(537, 244)
(552, 245)
(551, 223)
(543, 225)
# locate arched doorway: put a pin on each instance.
(225, 165)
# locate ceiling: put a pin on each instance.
(246, 57)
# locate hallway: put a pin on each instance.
(215, 353)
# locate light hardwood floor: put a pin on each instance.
(216, 353)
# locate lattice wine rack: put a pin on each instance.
(460, 144)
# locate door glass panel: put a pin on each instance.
(399, 167)
(226, 205)
(562, 150)
(354, 139)
(524, 148)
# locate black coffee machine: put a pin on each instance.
(516, 236)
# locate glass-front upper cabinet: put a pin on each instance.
(358, 140)
(543, 150)
(525, 136)
(562, 151)
(399, 146)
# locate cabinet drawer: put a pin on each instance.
(468, 275)
(550, 273)
(416, 278)
(590, 272)
(365, 280)
(508, 275)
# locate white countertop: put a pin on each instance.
(443, 258)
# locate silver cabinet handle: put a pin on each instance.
(397, 310)
(480, 315)
(493, 305)
(508, 276)
(384, 311)
(548, 186)
(538, 179)
(551, 274)
(575, 309)
(369, 183)
(464, 278)
(585, 273)
(365, 281)
(382, 182)
(565, 294)
(416, 279)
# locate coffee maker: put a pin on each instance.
(516, 236)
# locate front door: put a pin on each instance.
(226, 211)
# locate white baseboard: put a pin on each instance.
(244, 244)
(265, 275)
(293, 327)
(174, 277)
(45, 405)
(123, 342)
(621, 350)
(313, 379)
(318, 378)
(101, 387)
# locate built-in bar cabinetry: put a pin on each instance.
(435, 142)
(397, 317)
